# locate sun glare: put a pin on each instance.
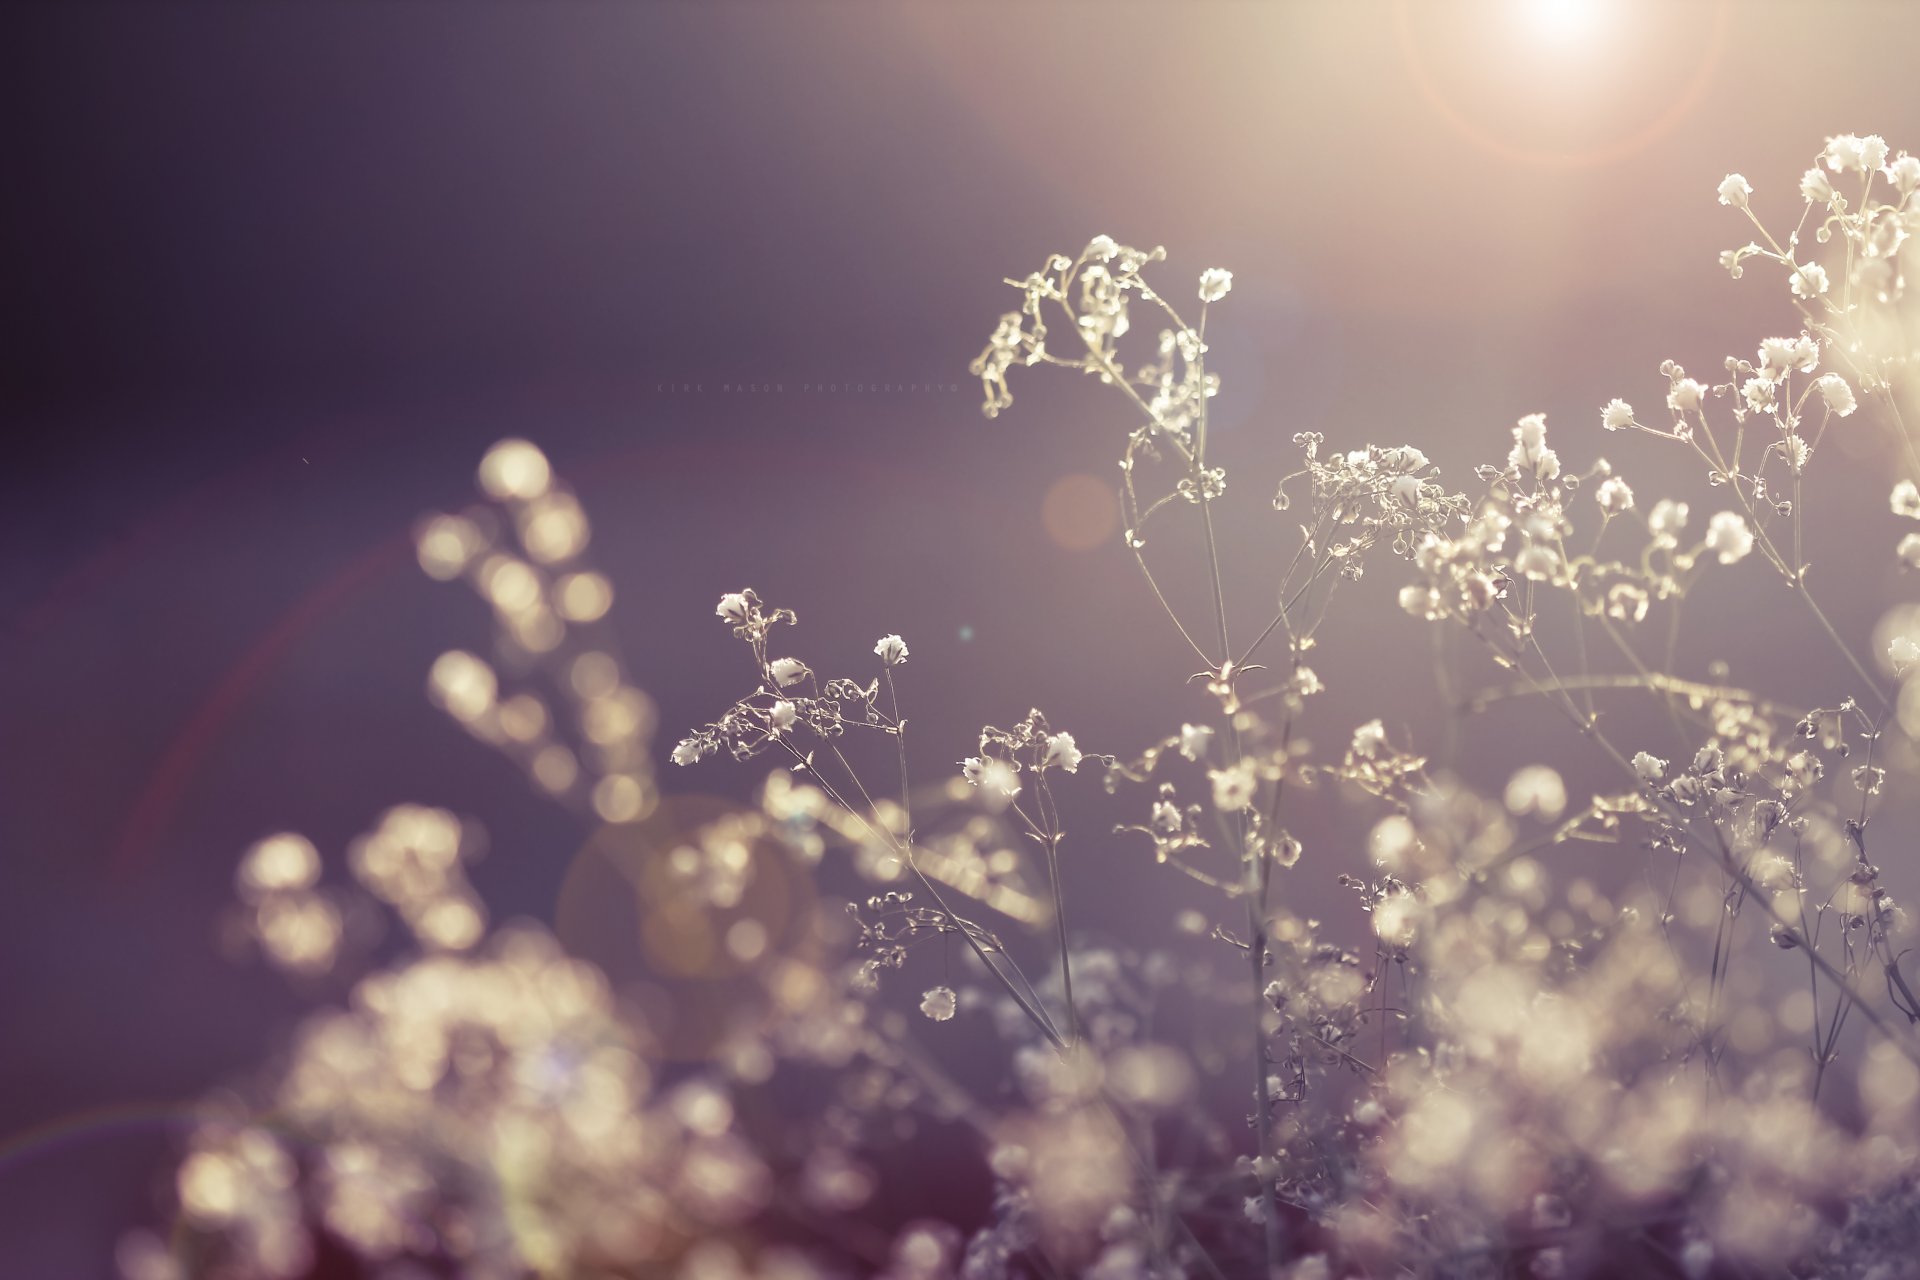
(1563, 21)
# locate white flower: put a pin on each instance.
(1906, 500)
(1668, 519)
(1616, 414)
(1103, 248)
(1062, 752)
(1815, 187)
(1904, 653)
(1306, 683)
(1734, 191)
(892, 650)
(995, 778)
(1685, 394)
(1406, 491)
(788, 671)
(1614, 496)
(1214, 284)
(1904, 172)
(781, 716)
(1233, 788)
(939, 1003)
(1649, 766)
(1728, 536)
(1194, 739)
(686, 751)
(1909, 551)
(733, 608)
(1810, 280)
(1368, 739)
(1166, 817)
(1530, 451)
(1846, 153)
(1873, 152)
(1759, 394)
(1537, 561)
(1837, 394)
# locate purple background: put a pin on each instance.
(275, 275)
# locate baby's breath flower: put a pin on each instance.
(781, 716)
(1836, 394)
(1166, 817)
(1909, 551)
(1760, 394)
(1904, 653)
(1649, 767)
(1102, 248)
(1368, 739)
(1668, 519)
(1214, 284)
(1846, 153)
(1809, 280)
(1614, 496)
(1530, 451)
(1062, 752)
(1815, 186)
(1729, 537)
(1616, 415)
(1232, 788)
(1734, 191)
(687, 751)
(733, 608)
(939, 1003)
(789, 671)
(1904, 172)
(892, 650)
(1194, 739)
(1685, 395)
(996, 779)
(1905, 500)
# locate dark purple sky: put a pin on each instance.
(274, 275)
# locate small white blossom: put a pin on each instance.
(1904, 172)
(1906, 500)
(1815, 186)
(1909, 551)
(1728, 536)
(1166, 817)
(995, 778)
(1614, 496)
(1650, 767)
(733, 608)
(939, 1003)
(686, 751)
(1194, 739)
(1846, 154)
(1616, 415)
(1685, 395)
(1760, 394)
(1735, 190)
(1809, 280)
(1214, 284)
(1233, 788)
(1668, 519)
(789, 671)
(1062, 752)
(1368, 739)
(781, 715)
(1530, 451)
(1103, 248)
(1904, 653)
(892, 650)
(1837, 394)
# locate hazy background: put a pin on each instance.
(275, 275)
